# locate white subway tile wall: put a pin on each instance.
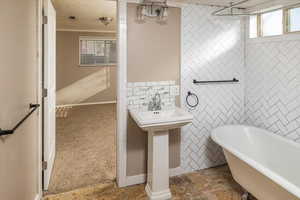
(273, 87)
(139, 94)
(212, 49)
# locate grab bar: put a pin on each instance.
(33, 107)
(234, 80)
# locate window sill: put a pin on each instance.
(277, 38)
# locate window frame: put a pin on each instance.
(287, 20)
(285, 23)
(257, 28)
(100, 38)
(261, 25)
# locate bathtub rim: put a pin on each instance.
(290, 187)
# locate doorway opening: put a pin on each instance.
(79, 104)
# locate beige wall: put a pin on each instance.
(68, 69)
(18, 86)
(153, 55)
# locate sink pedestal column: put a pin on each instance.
(157, 187)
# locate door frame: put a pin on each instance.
(121, 93)
(39, 28)
(48, 151)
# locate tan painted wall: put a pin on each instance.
(68, 69)
(153, 55)
(18, 86)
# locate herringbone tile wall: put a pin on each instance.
(212, 49)
(273, 87)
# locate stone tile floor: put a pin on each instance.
(210, 184)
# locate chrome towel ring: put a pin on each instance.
(195, 97)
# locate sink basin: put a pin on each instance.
(158, 124)
(161, 120)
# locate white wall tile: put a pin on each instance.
(141, 93)
(174, 90)
(212, 49)
(273, 87)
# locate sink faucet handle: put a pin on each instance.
(151, 104)
(157, 101)
(157, 96)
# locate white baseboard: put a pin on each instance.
(52, 160)
(176, 171)
(84, 30)
(48, 171)
(141, 178)
(86, 104)
(134, 180)
(38, 197)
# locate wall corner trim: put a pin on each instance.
(122, 93)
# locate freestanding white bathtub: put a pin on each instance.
(265, 164)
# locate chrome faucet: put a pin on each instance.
(155, 103)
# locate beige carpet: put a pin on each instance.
(85, 148)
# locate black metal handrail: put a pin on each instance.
(33, 107)
(234, 80)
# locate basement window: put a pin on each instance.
(271, 23)
(96, 51)
(253, 27)
(293, 19)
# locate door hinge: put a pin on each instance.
(45, 93)
(44, 165)
(45, 20)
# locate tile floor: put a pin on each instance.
(210, 184)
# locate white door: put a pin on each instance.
(50, 85)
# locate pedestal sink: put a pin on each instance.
(158, 124)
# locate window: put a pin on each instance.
(97, 51)
(271, 23)
(253, 27)
(293, 19)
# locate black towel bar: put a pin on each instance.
(234, 80)
(32, 108)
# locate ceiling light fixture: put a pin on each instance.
(105, 20)
(153, 9)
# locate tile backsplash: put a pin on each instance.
(139, 94)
